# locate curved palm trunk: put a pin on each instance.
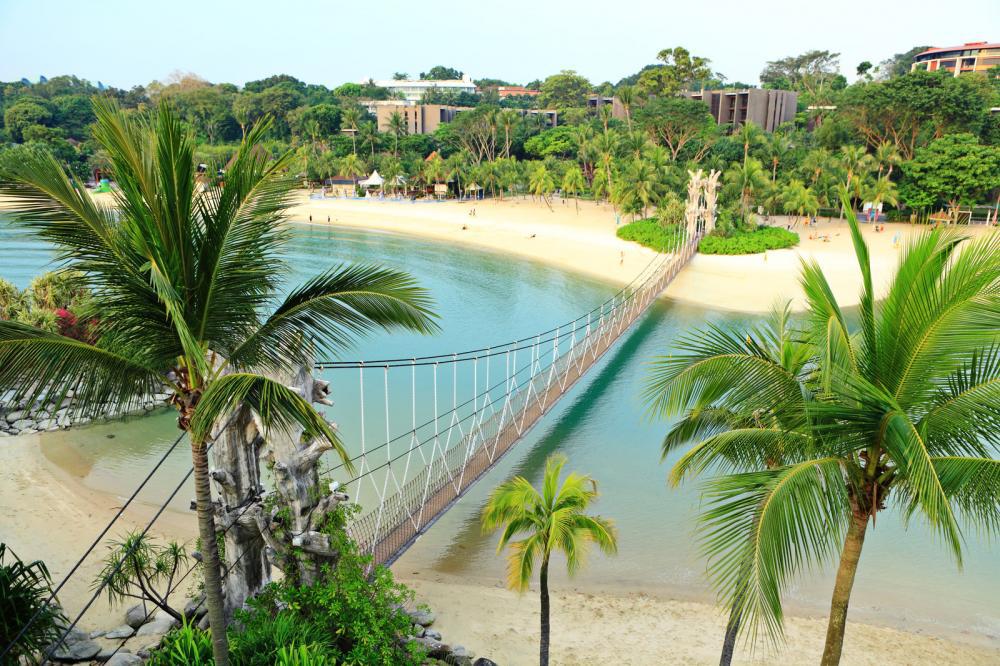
(543, 644)
(849, 557)
(729, 642)
(210, 554)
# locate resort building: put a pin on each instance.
(515, 91)
(969, 57)
(413, 91)
(765, 108)
(595, 102)
(419, 118)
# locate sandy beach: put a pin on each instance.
(49, 513)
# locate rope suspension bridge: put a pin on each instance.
(410, 473)
(408, 480)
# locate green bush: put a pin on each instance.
(650, 233)
(186, 645)
(749, 242)
(24, 589)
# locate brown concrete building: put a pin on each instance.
(969, 57)
(419, 118)
(765, 108)
(515, 91)
(595, 102)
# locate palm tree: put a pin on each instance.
(397, 126)
(903, 408)
(351, 119)
(749, 134)
(855, 162)
(186, 283)
(541, 184)
(368, 133)
(626, 95)
(553, 519)
(573, 183)
(778, 145)
(797, 198)
(746, 179)
(508, 119)
(887, 156)
(882, 190)
(353, 167)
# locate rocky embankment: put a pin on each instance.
(18, 417)
(144, 627)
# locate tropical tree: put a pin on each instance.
(553, 519)
(626, 95)
(882, 190)
(353, 167)
(855, 161)
(903, 409)
(186, 284)
(749, 134)
(797, 198)
(397, 127)
(887, 156)
(541, 183)
(351, 119)
(573, 183)
(777, 145)
(746, 179)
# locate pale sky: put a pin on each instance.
(127, 43)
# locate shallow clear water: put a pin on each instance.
(907, 578)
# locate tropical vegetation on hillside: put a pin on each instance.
(914, 142)
(810, 428)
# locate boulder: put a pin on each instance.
(483, 661)
(158, 626)
(462, 651)
(97, 633)
(123, 659)
(453, 660)
(24, 424)
(432, 634)
(14, 417)
(417, 631)
(136, 616)
(123, 631)
(195, 608)
(77, 651)
(424, 618)
(435, 649)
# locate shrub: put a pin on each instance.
(650, 233)
(303, 655)
(185, 646)
(749, 242)
(24, 589)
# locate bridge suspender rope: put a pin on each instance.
(472, 444)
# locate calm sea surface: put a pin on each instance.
(907, 578)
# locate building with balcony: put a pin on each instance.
(595, 102)
(515, 91)
(765, 108)
(413, 91)
(419, 118)
(969, 57)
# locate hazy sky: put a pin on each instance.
(127, 43)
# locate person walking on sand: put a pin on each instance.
(621, 258)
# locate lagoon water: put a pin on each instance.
(907, 578)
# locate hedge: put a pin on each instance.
(650, 233)
(749, 242)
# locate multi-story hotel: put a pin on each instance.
(969, 57)
(765, 108)
(413, 91)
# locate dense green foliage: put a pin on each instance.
(749, 242)
(25, 588)
(57, 302)
(650, 233)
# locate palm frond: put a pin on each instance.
(277, 406)
(963, 417)
(335, 308)
(741, 449)
(972, 485)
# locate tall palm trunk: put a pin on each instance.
(729, 642)
(849, 557)
(543, 644)
(210, 554)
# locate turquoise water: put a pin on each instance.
(906, 579)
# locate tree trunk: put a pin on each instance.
(210, 554)
(543, 643)
(849, 557)
(729, 642)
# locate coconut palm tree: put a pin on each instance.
(881, 190)
(746, 179)
(855, 161)
(797, 198)
(887, 156)
(351, 119)
(777, 145)
(186, 283)
(353, 167)
(508, 120)
(573, 183)
(626, 95)
(551, 520)
(902, 408)
(368, 134)
(541, 183)
(397, 127)
(749, 134)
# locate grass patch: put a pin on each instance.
(749, 242)
(651, 234)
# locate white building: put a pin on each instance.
(413, 91)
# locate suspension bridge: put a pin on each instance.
(406, 481)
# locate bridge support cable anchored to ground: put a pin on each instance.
(433, 466)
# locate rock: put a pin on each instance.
(123, 659)
(424, 618)
(24, 424)
(462, 651)
(123, 631)
(13, 417)
(195, 608)
(160, 625)
(97, 633)
(417, 631)
(483, 661)
(109, 651)
(454, 660)
(81, 650)
(136, 616)
(435, 649)
(432, 634)
(28, 431)
(46, 424)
